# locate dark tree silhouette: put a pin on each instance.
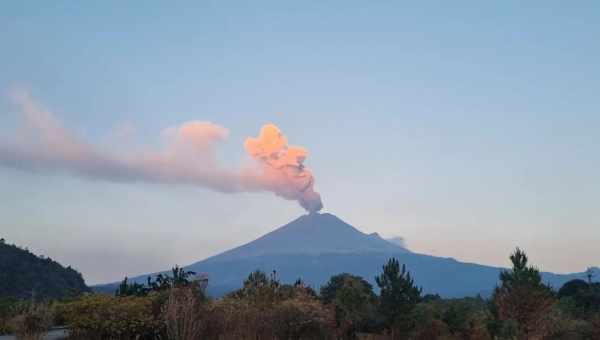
(399, 296)
(179, 278)
(354, 303)
(523, 297)
(131, 289)
(585, 297)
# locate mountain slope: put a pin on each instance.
(313, 234)
(23, 275)
(316, 246)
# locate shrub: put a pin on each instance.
(302, 317)
(354, 302)
(105, 317)
(297, 316)
(31, 321)
(6, 312)
(182, 315)
(464, 318)
(581, 299)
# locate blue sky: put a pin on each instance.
(467, 129)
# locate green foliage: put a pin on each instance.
(258, 281)
(262, 289)
(31, 321)
(104, 317)
(354, 302)
(462, 314)
(580, 299)
(131, 289)
(302, 317)
(174, 307)
(7, 306)
(180, 278)
(522, 299)
(399, 295)
(573, 288)
(24, 275)
(521, 274)
(295, 315)
(184, 315)
(437, 318)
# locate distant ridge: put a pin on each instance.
(316, 246)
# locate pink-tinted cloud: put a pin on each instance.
(283, 170)
(186, 156)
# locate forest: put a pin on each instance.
(24, 275)
(175, 307)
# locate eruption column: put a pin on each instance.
(282, 165)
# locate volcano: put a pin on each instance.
(316, 246)
(313, 234)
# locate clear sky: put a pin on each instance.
(466, 129)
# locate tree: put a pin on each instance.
(354, 302)
(24, 275)
(180, 278)
(582, 297)
(256, 280)
(523, 298)
(399, 295)
(261, 289)
(131, 289)
(572, 288)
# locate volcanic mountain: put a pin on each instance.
(316, 246)
(312, 234)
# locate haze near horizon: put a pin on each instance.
(466, 131)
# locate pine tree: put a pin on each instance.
(399, 295)
(523, 297)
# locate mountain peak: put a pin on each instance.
(314, 233)
(316, 246)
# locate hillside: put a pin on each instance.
(316, 246)
(23, 275)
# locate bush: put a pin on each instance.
(580, 299)
(297, 316)
(105, 317)
(354, 303)
(183, 314)
(437, 318)
(31, 321)
(302, 317)
(6, 312)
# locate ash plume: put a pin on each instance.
(187, 156)
(397, 240)
(283, 167)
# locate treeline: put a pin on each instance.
(175, 307)
(23, 275)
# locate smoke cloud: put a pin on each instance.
(187, 156)
(397, 240)
(282, 167)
